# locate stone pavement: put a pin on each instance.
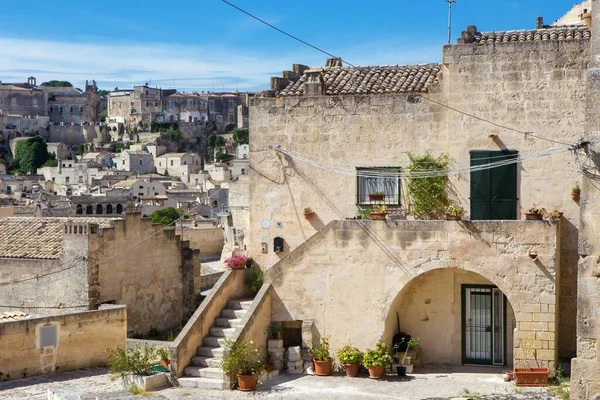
(434, 384)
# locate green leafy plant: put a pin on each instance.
(241, 136)
(382, 209)
(537, 210)
(365, 212)
(378, 357)
(576, 189)
(223, 157)
(429, 195)
(455, 211)
(378, 193)
(413, 343)
(137, 361)
(255, 280)
(350, 355)
(274, 330)
(321, 353)
(308, 210)
(164, 354)
(30, 154)
(240, 358)
(166, 216)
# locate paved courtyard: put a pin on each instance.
(432, 383)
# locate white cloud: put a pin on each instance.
(171, 65)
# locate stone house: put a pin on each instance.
(493, 289)
(136, 107)
(82, 263)
(25, 99)
(67, 105)
(60, 150)
(134, 161)
(179, 165)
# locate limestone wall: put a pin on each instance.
(352, 274)
(147, 278)
(76, 134)
(82, 341)
(208, 241)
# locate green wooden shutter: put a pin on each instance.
(494, 191)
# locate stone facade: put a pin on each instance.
(81, 342)
(534, 86)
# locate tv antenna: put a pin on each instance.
(450, 3)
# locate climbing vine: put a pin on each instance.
(429, 196)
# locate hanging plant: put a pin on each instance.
(429, 195)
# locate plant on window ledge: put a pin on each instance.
(454, 212)
(365, 212)
(429, 195)
(535, 213)
(377, 196)
(576, 192)
(379, 212)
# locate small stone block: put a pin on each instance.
(294, 364)
(275, 344)
(276, 352)
(294, 350)
(294, 357)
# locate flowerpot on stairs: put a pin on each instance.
(375, 372)
(323, 368)
(246, 383)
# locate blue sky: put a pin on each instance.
(207, 45)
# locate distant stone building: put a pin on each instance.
(82, 263)
(134, 161)
(25, 99)
(136, 107)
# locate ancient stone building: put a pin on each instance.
(25, 99)
(330, 136)
(81, 263)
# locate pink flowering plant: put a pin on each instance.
(236, 262)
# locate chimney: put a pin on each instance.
(539, 23)
(299, 69)
(468, 36)
(278, 84)
(314, 85)
(334, 62)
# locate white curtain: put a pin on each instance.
(372, 184)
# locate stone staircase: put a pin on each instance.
(205, 370)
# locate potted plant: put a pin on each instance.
(413, 343)
(576, 192)
(554, 216)
(365, 212)
(322, 360)
(350, 357)
(308, 213)
(535, 213)
(376, 196)
(531, 376)
(379, 212)
(454, 213)
(163, 353)
(242, 361)
(236, 262)
(275, 330)
(376, 360)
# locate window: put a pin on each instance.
(156, 104)
(184, 162)
(231, 105)
(119, 208)
(141, 162)
(147, 103)
(171, 163)
(190, 104)
(67, 180)
(80, 109)
(89, 210)
(99, 209)
(171, 105)
(141, 187)
(211, 105)
(231, 119)
(80, 179)
(140, 194)
(70, 109)
(60, 109)
(132, 104)
(50, 109)
(377, 180)
(79, 209)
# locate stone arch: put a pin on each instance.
(79, 209)
(89, 210)
(99, 209)
(430, 306)
(109, 209)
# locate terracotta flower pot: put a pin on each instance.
(450, 217)
(352, 369)
(246, 383)
(534, 217)
(531, 376)
(376, 197)
(270, 367)
(575, 196)
(375, 372)
(309, 216)
(378, 216)
(323, 368)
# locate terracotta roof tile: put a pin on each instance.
(559, 33)
(39, 238)
(372, 80)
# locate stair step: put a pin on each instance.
(228, 322)
(230, 313)
(207, 351)
(222, 332)
(239, 304)
(213, 341)
(203, 372)
(201, 383)
(200, 361)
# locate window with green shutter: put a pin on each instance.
(494, 190)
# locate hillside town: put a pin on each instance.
(432, 227)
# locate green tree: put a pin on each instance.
(165, 216)
(220, 141)
(241, 136)
(211, 141)
(31, 154)
(52, 161)
(55, 83)
(103, 115)
(223, 157)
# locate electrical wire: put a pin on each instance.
(284, 32)
(510, 159)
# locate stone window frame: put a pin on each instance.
(394, 202)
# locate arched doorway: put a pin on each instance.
(109, 209)
(89, 210)
(99, 209)
(459, 316)
(119, 209)
(78, 209)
